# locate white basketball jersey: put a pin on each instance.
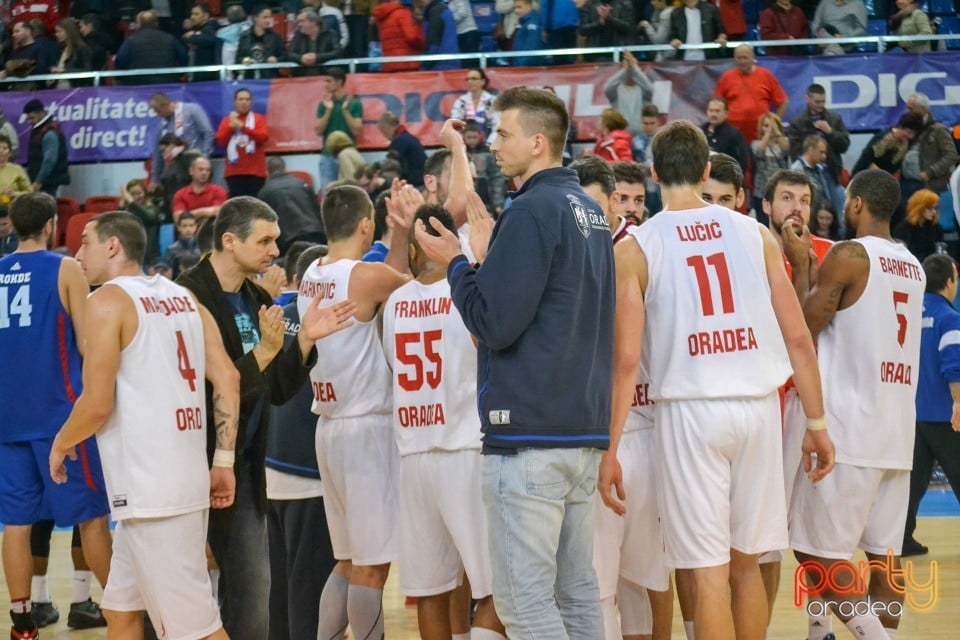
(351, 377)
(641, 408)
(434, 366)
(869, 356)
(710, 328)
(154, 444)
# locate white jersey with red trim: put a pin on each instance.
(434, 365)
(351, 377)
(154, 444)
(710, 328)
(870, 352)
(642, 407)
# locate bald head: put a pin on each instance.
(743, 58)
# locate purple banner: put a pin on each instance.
(116, 124)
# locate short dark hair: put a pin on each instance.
(237, 216)
(794, 178)
(5, 140)
(725, 170)
(541, 111)
(630, 172)
(343, 208)
(436, 162)
(912, 121)
(594, 170)
(816, 89)
(337, 73)
(205, 235)
(680, 154)
(242, 90)
(650, 111)
(427, 211)
(293, 254)
(472, 126)
(721, 100)
(91, 19)
(186, 215)
(308, 256)
(939, 270)
(204, 7)
(878, 190)
(126, 228)
(30, 212)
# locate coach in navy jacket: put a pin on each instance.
(541, 306)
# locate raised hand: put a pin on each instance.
(481, 226)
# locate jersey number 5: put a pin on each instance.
(719, 263)
(900, 297)
(187, 372)
(420, 375)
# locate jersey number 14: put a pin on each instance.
(19, 306)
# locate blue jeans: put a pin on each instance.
(539, 506)
(238, 539)
(329, 170)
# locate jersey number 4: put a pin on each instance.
(719, 263)
(19, 306)
(187, 372)
(426, 368)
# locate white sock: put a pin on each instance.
(215, 583)
(462, 636)
(891, 633)
(866, 627)
(688, 627)
(81, 585)
(38, 589)
(818, 627)
(479, 633)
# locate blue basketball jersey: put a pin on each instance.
(38, 348)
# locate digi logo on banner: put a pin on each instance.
(859, 91)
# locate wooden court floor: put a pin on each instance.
(942, 535)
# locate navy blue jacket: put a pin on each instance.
(541, 307)
(939, 359)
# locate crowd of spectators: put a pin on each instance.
(40, 37)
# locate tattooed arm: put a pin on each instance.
(225, 379)
(841, 279)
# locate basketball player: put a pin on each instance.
(631, 191)
(866, 309)
(599, 181)
(724, 187)
(723, 327)
(150, 424)
(628, 550)
(356, 452)
(434, 363)
(42, 308)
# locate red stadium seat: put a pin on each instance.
(99, 204)
(66, 209)
(75, 230)
(303, 175)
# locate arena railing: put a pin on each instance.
(225, 71)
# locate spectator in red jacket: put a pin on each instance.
(615, 143)
(243, 134)
(399, 35)
(784, 21)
